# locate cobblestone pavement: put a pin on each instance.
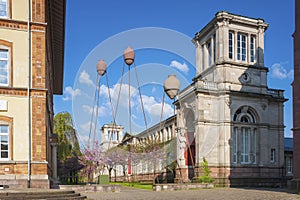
(205, 194)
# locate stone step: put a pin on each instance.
(39, 194)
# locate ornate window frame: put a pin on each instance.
(244, 137)
(252, 48)
(6, 45)
(8, 10)
(242, 47)
(4, 120)
(231, 45)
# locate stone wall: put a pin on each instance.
(91, 188)
(186, 186)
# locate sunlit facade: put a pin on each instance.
(31, 72)
(228, 114)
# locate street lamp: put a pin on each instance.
(129, 56)
(101, 70)
(101, 67)
(171, 86)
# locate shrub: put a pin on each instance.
(205, 178)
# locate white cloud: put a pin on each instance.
(69, 93)
(84, 78)
(116, 94)
(279, 71)
(86, 127)
(102, 110)
(87, 109)
(151, 105)
(180, 66)
(154, 107)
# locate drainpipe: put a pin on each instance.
(28, 93)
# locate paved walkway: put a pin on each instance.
(207, 194)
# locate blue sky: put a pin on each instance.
(156, 29)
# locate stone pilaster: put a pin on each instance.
(54, 161)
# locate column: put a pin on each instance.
(199, 66)
(54, 161)
(161, 134)
(120, 136)
(235, 46)
(222, 41)
(248, 56)
(239, 145)
(211, 62)
(204, 57)
(181, 141)
(225, 40)
(252, 145)
(260, 46)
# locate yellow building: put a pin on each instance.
(31, 71)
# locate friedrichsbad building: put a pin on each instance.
(31, 72)
(228, 114)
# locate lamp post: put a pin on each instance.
(171, 88)
(101, 70)
(129, 59)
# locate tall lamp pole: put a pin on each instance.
(129, 59)
(171, 88)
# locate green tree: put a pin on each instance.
(68, 147)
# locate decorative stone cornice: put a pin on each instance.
(22, 92)
(224, 18)
(22, 25)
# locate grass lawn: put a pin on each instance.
(134, 185)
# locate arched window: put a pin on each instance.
(244, 136)
(245, 114)
(6, 128)
(245, 119)
(5, 63)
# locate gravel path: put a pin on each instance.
(205, 194)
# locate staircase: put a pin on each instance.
(40, 194)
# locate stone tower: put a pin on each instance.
(111, 135)
(228, 114)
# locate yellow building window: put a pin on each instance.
(4, 67)
(3, 8)
(4, 129)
